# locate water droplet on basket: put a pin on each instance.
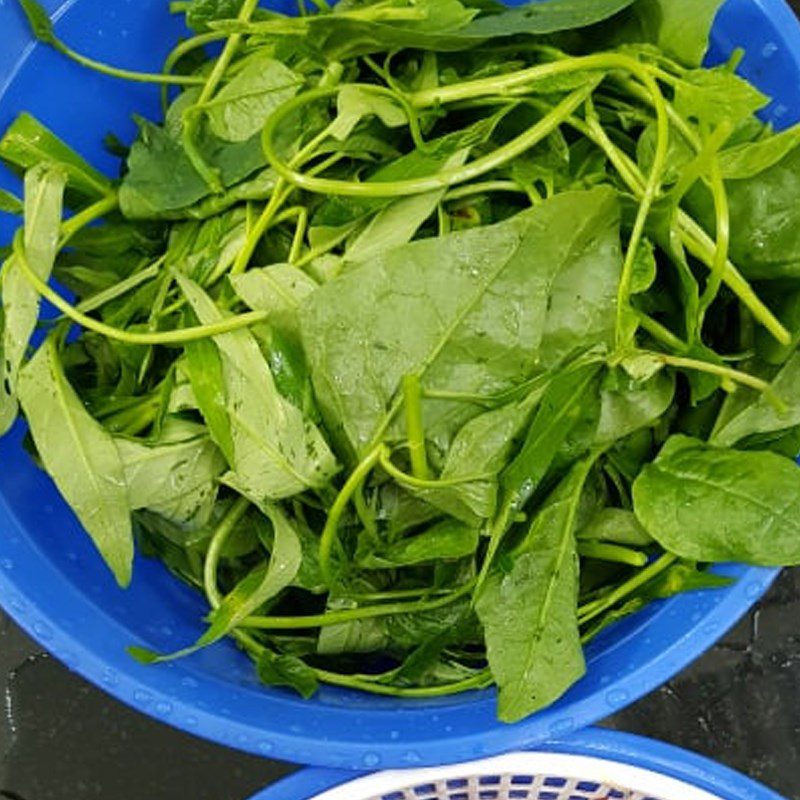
(7, 563)
(769, 50)
(42, 631)
(265, 747)
(371, 760)
(141, 697)
(712, 629)
(412, 757)
(163, 708)
(394, 735)
(189, 683)
(190, 722)
(754, 590)
(616, 697)
(562, 727)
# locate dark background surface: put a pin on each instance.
(62, 739)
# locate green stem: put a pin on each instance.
(482, 188)
(603, 551)
(415, 430)
(425, 483)
(215, 547)
(175, 337)
(346, 615)
(83, 218)
(481, 680)
(328, 537)
(279, 196)
(593, 609)
(99, 299)
(440, 180)
(662, 334)
(126, 74)
(180, 51)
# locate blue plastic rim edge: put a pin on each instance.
(610, 745)
(53, 585)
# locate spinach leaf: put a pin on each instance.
(276, 452)
(80, 456)
(240, 109)
(710, 504)
(44, 192)
(540, 18)
(279, 289)
(712, 96)
(175, 476)
(759, 416)
(10, 204)
(201, 12)
(475, 324)
(617, 526)
(27, 144)
(287, 670)
(529, 615)
(446, 540)
(749, 159)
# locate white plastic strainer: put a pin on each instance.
(592, 764)
(521, 776)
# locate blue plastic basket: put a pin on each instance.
(594, 764)
(54, 585)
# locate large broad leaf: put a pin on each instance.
(276, 452)
(80, 456)
(478, 323)
(709, 504)
(529, 613)
(176, 476)
(241, 107)
(544, 16)
(44, 193)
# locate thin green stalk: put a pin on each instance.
(427, 483)
(484, 187)
(176, 337)
(415, 430)
(99, 299)
(662, 334)
(278, 197)
(216, 545)
(481, 680)
(184, 47)
(603, 551)
(328, 537)
(346, 615)
(593, 609)
(441, 180)
(126, 74)
(86, 217)
(722, 245)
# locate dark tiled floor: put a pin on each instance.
(61, 739)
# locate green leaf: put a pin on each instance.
(44, 192)
(617, 526)
(710, 504)
(276, 452)
(27, 143)
(765, 241)
(175, 476)
(712, 96)
(476, 324)
(681, 28)
(530, 614)
(10, 203)
(144, 194)
(287, 670)
(627, 405)
(201, 12)
(446, 540)
(539, 18)
(80, 456)
(261, 584)
(752, 158)
(759, 415)
(241, 107)
(279, 289)
(204, 370)
(39, 21)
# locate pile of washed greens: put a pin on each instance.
(427, 338)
